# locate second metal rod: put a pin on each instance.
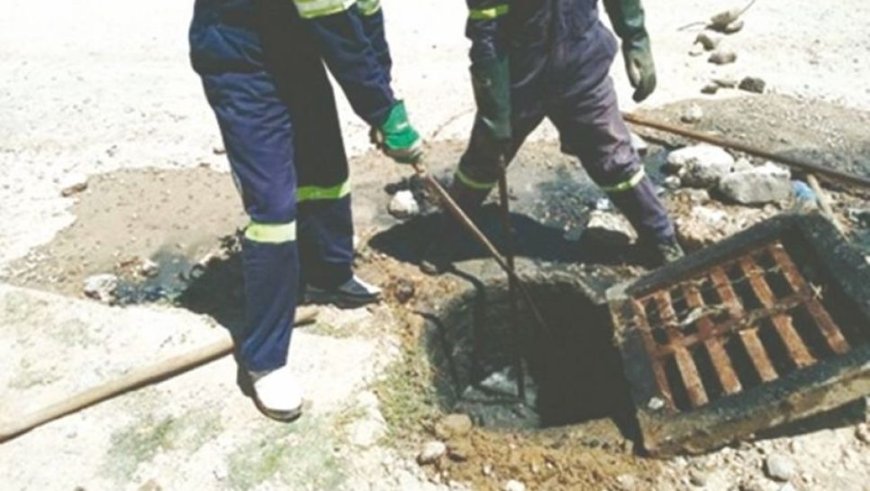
(793, 162)
(504, 199)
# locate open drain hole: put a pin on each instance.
(573, 372)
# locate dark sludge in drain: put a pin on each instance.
(573, 371)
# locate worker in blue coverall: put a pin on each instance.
(532, 59)
(262, 67)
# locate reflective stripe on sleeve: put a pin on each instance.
(488, 13)
(310, 9)
(627, 184)
(313, 193)
(482, 186)
(271, 233)
(368, 7)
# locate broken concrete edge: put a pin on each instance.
(803, 393)
(831, 384)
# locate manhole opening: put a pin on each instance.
(573, 372)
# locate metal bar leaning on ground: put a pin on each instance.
(454, 209)
(139, 378)
(793, 162)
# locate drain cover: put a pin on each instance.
(766, 327)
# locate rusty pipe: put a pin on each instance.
(794, 162)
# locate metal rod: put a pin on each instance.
(455, 210)
(794, 162)
(504, 200)
(141, 377)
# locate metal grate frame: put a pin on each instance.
(736, 339)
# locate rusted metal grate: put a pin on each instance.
(748, 300)
(712, 343)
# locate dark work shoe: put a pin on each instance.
(353, 293)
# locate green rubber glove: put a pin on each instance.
(492, 92)
(397, 138)
(627, 19)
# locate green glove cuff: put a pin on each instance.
(400, 140)
(492, 91)
(398, 132)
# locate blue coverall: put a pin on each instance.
(560, 56)
(262, 67)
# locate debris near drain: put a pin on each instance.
(148, 268)
(784, 334)
(404, 205)
(726, 82)
(768, 183)
(403, 290)
(700, 165)
(779, 467)
(453, 426)
(729, 21)
(610, 228)
(514, 485)
(101, 287)
(710, 88)
(723, 57)
(709, 40)
(693, 115)
(431, 452)
(459, 451)
(753, 84)
(74, 189)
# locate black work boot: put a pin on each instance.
(353, 293)
(439, 254)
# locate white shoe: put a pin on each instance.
(277, 394)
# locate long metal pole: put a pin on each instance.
(504, 199)
(138, 378)
(794, 162)
(454, 209)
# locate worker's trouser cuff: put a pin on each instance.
(644, 210)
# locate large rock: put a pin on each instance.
(767, 183)
(700, 165)
(607, 227)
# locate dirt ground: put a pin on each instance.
(112, 158)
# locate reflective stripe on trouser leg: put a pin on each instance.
(643, 208)
(310, 9)
(270, 259)
(591, 127)
(258, 135)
